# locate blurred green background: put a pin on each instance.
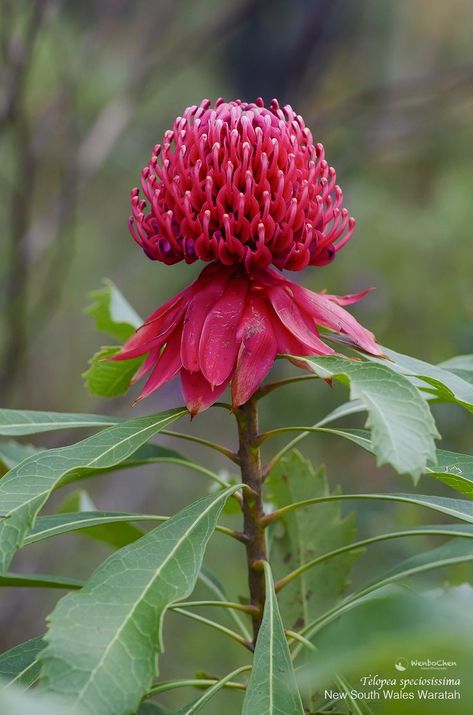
(87, 89)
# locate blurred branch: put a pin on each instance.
(15, 120)
(427, 87)
(116, 116)
(31, 240)
(17, 55)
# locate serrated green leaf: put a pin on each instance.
(25, 489)
(102, 640)
(453, 469)
(19, 665)
(21, 422)
(110, 378)
(301, 536)
(445, 384)
(402, 427)
(272, 688)
(112, 312)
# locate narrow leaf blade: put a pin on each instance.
(102, 640)
(20, 665)
(272, 688)
(24, 490)
(16, 423)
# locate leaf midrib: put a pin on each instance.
(139, 601)
(42, 455)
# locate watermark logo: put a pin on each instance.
(401, 664)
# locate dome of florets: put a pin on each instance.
(240, 183)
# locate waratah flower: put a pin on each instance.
(244, 188)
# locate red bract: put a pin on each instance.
(229, 326)
(240, 186)
(240, 183)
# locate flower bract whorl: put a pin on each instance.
(243, 188)
(240, 183)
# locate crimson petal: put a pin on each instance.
(197, 392)
(156, 330)
(219, 343)
(327, 313)
(257, 350)
(291, 317)
(166, 368)
(196, 314)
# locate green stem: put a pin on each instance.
(350, 408)
(215, 588)
(274, 515)
(225, 604)
(197, 683)
(253, 513)
(354, 546)
(217, 626)
(315, 626)
(267, 389)
(205, 443)
(197, 468)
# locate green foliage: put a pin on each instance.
(453, 469)
(115, 534)
(22, 422)
(109, 378)
(449, 382)
(112, 313)
(149, 708)
(13, 452)
(272, 688)
(461, 365)
(24, 490)
(19, 665)
(390, 624)
(302, 535)
(115, 316)
(104, 636)
(402, 428)
(112, 528)
(456, 551)
(16, 702)
(39, 581)
(102, 641)
(198, 704)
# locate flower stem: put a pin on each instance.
(253, 513)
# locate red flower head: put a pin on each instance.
(240, 186)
